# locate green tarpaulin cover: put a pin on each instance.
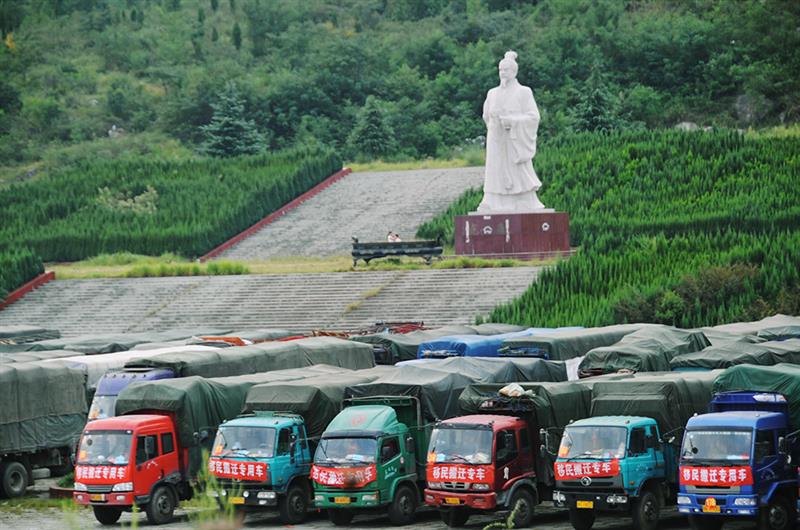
(753, 328)
(264, 357)
(28, 356)
(733, 353)
(649, 349)
(23, 334)
(43, 405)
(563, 345)
(404, 346)
(496, 329)
(782, 378)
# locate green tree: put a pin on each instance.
(201, 16)
(214, 5)
(214, 35)
(372, 136)
(230, 133)
(237, 36)
(597, 106)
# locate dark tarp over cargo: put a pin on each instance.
(23, 334)
(648, 349)
(491, 328)
(28, 356)
(766, 325)
(202, 404)
(263, 357)
(43, 406)
(474, 345)
(733, 353)
(567, 344)
(394, 347)
(437, 384)
(782, 378)
(317, 399)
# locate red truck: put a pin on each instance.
(482, 462)
(129, 460)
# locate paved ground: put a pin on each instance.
(366, 205)
(296, 302)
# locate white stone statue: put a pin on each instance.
(512, 121)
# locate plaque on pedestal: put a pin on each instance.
(512, 235)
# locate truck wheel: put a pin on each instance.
(340, 517)
(522, 501)
(710, 522)
(454, 517)
(402, 509)
(581, 519)
(13, 479)
(645, 511)
(162, 504)
(293, 506)
(106, 514)
(777, 515)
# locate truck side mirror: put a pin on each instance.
(543, 451)
(150, 446)
(782, 447)
(409, 445)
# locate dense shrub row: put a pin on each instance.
(152, 207)
(16, 268)
(686, 229)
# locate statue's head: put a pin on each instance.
(508, 66)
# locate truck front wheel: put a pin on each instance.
(454, 517)
(645, 511)
(522, 501)
(581, 519)
(106, 514)
(13, 479)
(293, 506)
(340, 517)
(402, 509)
(777, 515)
(161, 506)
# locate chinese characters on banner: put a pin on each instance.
(716, 476)
(101, 472)
(577, 470)
(348, 477)
(237, 469)
(460, 473)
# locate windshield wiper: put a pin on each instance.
(239, 452)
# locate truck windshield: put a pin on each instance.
(464, 445)
(716, 446)
(105, 448)
(594, 442)
(256, 442)
(346, 451)
(102, 407)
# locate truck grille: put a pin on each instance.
(456, 486)
(99, 488)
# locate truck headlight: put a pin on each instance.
(436, 485)
(616, 499)
(559, 497)
(744, 501)
(370, 497)
(684, 500)
(480, 487)
(78, 486)
(266, 494)
(319, 498)
(123, 486)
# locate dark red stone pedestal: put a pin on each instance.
(512, 235)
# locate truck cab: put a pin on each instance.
(613, 464)
(481, 462)
(366, 459)
(131, 460)
(736, 462)
(112, 383)
(263, 461)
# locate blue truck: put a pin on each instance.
(738, 461)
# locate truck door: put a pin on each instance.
(389, 457)
(525, 451)
(641, 461)
(507, 461)
(149, 468)
(283, 464)
(766, 462)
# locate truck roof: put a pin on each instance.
(613, 421)
(739, 419)
(497, 420)
(376, 418)
(263, 419)
(113, 382)
(130, 422)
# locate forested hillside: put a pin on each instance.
(411, 73)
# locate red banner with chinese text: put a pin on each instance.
(716, 476)
(117, 473)
(347, 477)
(237, 469)
(459, 473)
(577, 470)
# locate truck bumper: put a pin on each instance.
(251, 497)
(120, 499)
(352, 499)
(451, 499)
(747, 505)
(596, 500)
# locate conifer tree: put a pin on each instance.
(372, 136)
(230, 133)
(214, 35)
(237, 36)
(214, 5)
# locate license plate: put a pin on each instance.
(237, 500)
(711, 509)
(97, 497)
(586, 504)
(452, 500)
(341, 500)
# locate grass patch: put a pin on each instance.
(28, 503)
(428, 163)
